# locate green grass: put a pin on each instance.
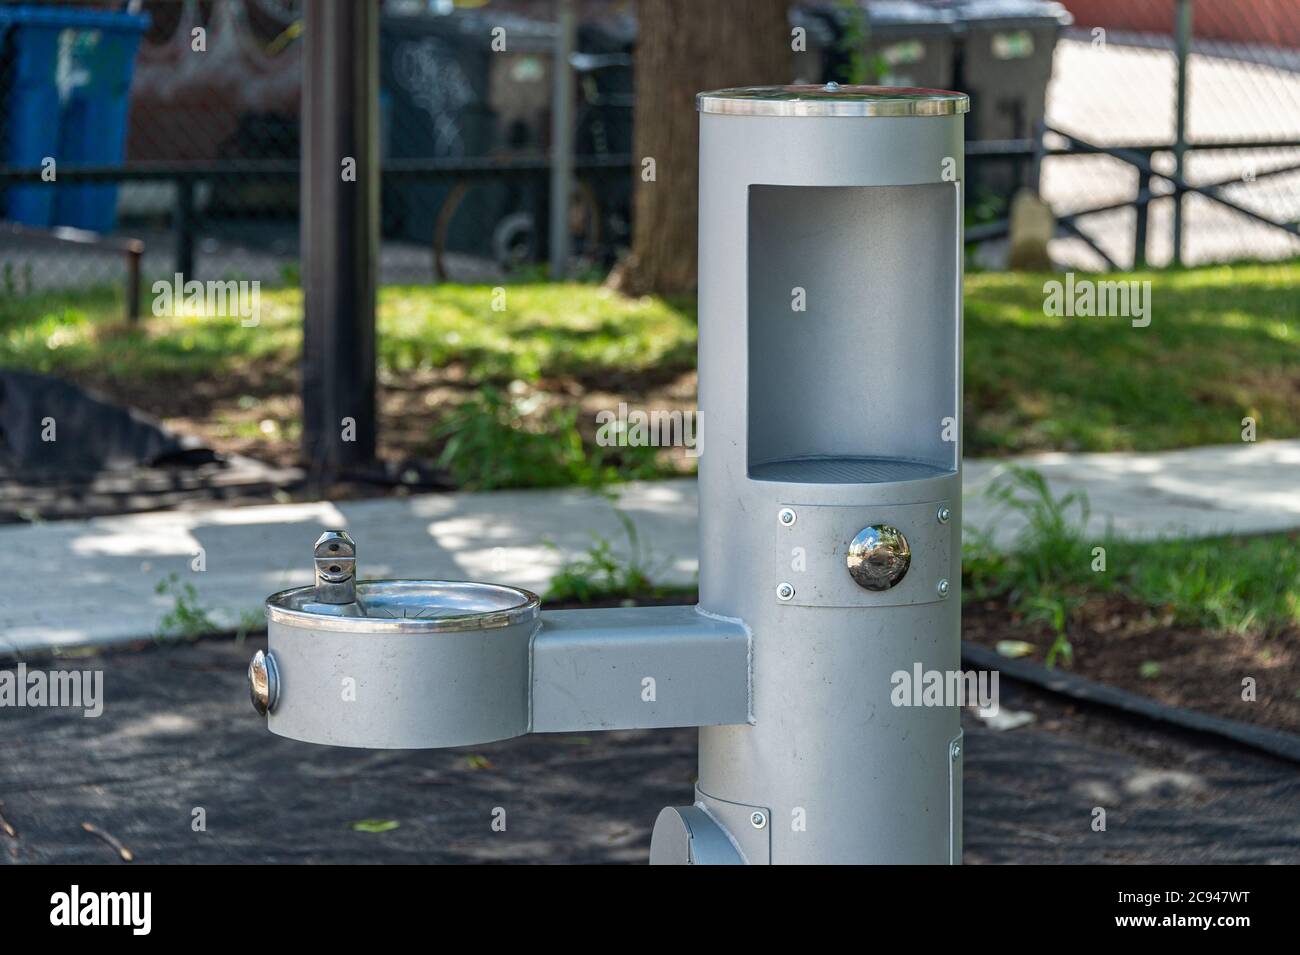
(1223, 344)
(1232, 584)
(498, 440)
(556, 330)
(82, 334)
(545, 329)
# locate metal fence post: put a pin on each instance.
(1183, 41)
(1141, 210)
(562, 141)
(185, 227)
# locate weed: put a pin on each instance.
(1233, 584)
(187, 618)
(602, 573)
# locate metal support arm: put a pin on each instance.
(638, 668)
(389, 680)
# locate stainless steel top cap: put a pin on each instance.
(831, 99)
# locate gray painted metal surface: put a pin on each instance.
(638, 668)
(418, 664)
(400, 690)
(687, 835)
(847, 412)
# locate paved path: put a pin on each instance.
(74, 583)
(177, 735)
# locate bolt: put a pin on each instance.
(943, 588)
(944, 515)
(786, 516)
(955, 751)
(784, 591)
(832, 87)
(758, 819)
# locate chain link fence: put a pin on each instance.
(207, 152)
(202, 166)
(1115, 83)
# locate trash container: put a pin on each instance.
(906, 43)
(1007, 63)
(441, 92)
(66, 76)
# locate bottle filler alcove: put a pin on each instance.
(830, 522)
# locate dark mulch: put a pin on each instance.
(177, 734)
(1190, 667)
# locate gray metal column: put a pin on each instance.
(339, 232)
(830, 403)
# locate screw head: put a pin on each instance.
(758, 819)
(944, 514)
(832, 87)
(786, 516)
(784, 591)
(955, 751)
(943, 588)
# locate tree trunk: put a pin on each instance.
(684, 47)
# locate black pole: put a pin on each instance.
(339, 222)
(185, 227)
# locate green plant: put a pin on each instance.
(858, 68)
(1054, 609)
(1233, 584)
(1048, 564)
(1050, 550)
(602, 573)
(494, 440)
(187, 618)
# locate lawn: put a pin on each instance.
(1223, 344)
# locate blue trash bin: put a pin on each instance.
(70, 76)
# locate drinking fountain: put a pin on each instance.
(830, 261)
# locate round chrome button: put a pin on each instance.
(879, 557)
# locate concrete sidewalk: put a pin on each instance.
(76, 583)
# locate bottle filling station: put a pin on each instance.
(829, 532)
